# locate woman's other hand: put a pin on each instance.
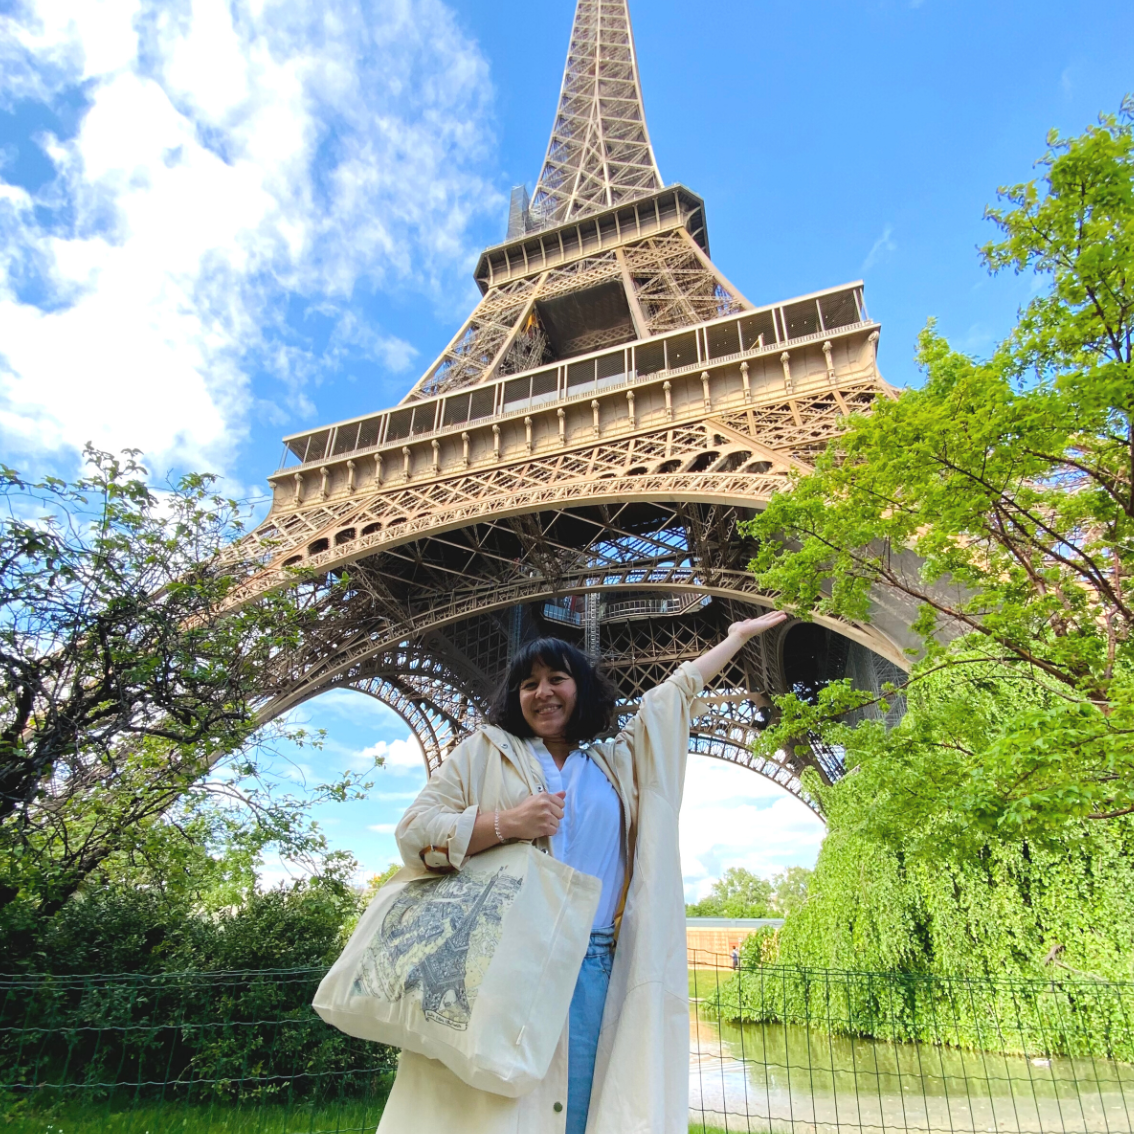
(538, 817)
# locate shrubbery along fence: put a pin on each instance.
(194, 1039)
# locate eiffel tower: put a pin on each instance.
(577, 459)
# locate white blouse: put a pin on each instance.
(590, 837)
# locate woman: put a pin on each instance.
(622, 1066)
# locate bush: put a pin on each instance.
(211, 1004)
(760, 948)
(248, 1036)
(113, 930)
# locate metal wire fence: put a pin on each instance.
(776, 1048)
(771, 1049)
(200, 1053)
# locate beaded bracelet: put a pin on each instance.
(496, 825)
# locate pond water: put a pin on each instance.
(771, 1077)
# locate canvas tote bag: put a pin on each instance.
(475, 969)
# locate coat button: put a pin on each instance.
(557, 1107)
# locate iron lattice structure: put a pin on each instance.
(600, 154)
(578, 458)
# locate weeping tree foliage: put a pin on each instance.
(130, 752)
(949, 897)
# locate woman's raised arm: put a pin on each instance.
(710, 663)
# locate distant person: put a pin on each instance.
(735, 958)
(610, 810)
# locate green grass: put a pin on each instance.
(172, 1118)
(697, 1128)
(149, 1118)
(705, 982)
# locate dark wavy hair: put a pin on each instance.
(596, 696)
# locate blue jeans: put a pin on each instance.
(584, 1023)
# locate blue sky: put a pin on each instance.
(221, 222)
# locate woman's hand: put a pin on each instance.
(538, 817)
(751, 627)
(713, 661)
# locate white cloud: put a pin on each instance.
(232, 158)
(402, 753)
(732, 817)
(881, 247)
(383, 828)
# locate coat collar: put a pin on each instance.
(516, 751)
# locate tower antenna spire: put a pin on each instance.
(599, 155)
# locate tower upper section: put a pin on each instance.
(604, 286)
(599, 155)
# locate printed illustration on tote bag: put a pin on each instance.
(438, 939)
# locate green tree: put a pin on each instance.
(789, 889)
(129, 685)
(377, 881)
(997, 501)
(737, 893)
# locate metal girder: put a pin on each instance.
(422, 685)
(446, 589)
(665, 277)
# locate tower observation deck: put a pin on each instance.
(577, 459)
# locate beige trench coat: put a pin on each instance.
(641, 1083)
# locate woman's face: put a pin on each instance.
(547, 700)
